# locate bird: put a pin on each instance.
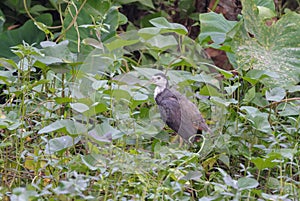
(178, 112)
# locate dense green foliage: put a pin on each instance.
(78, 120)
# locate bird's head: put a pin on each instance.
(160, 80)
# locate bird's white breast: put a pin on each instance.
(158, 90)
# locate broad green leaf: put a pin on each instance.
(61, 100)
(21, 193)
(99, 84)
(139, 96)
(223, 102)
(105, 132)
(272, 48)
(265, 13)
(228, 179)
(209, 90)
(73, 35)
(206, 78)
(163, 23)
(8, 64)
(58, 52)
(259, 120)
(253, 76)
(275, 94)
(79, 107)
(37, 83)
(72, 127)
(6, 77)
(247, 183)
(14, 126)
(294, 89)
(119, 94)
(270, 161)
(94, 161)
(266, 3)
(260, 100)
(215, 27)
(273, 183)
(96, 108)
(261, 123)
(231, 89)
(28, 32)
(3, 123)
(250, 95)
(60, 143)
(193, 175)
(93, 42)
(162, 42)
(148, 32)
(289, 110)
(52, 127)
(147, 3)
(112, 20)
(118, 43)
(288, 153)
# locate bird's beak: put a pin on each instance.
(152, 80)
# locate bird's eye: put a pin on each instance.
(158, 78)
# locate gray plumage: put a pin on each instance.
(179, 113)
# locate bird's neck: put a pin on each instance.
(158, 90)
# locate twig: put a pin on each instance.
(282, 101)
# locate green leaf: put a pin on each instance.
(94, 161)
(265, 13)
(206, 78)
(61, 100)
(289, 110)
(105, 132)
(139, 96)
(259, 120)
(163, 23)
(272, 48)
(223, 102)
(72, 127)
(60, 143)
(6, 77)
(250, 95)
(8, 64)
(270, 161)
(275, 94)
(52, 127)
(253, 76)
(112, 19)
(79, 107)
(96, 108)
(273, 183)
(215, 27)
(28, 32)
(193, 175)
(266, 3)
(208, 90)
(247, 183)
(162, 42)
(147, 3)
(149, 32)
(118, 43)
(231, 89)
(58, 52)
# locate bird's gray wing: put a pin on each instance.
(170, 112)
(191, 118)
